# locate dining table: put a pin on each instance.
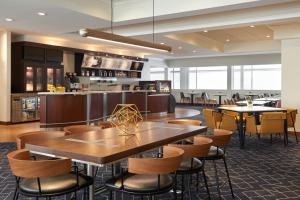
(192, 94)
(220, 97)
(107, 146)
(254, 110)
(254, 102)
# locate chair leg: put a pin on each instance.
(271, 139)
(205, 182)
(296, 134)
(15, 193)
(228, 177)
(110, 195)
(217, 178)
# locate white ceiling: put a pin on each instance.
(177, 24)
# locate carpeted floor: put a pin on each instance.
(260, 171)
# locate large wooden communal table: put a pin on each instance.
(98, 148)
(256, 110)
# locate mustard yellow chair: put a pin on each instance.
(229, 122)
(271, 123)
(211, 117)
(291, 120)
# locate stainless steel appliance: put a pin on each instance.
(25, 107)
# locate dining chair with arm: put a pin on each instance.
(148, 176)
(184, 99)
(45, 178)
(291, 120)
(191, 164)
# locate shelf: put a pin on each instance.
(126, 70)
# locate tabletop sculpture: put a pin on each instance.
(126, 117)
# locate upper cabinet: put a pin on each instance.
(35, 67)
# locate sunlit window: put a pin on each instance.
(157, 73)
(174, 76)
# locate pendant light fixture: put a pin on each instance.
(112, 38)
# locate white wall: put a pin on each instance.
(149, 64)
(5, 75)
(290, 56)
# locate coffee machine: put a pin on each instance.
(72, 83)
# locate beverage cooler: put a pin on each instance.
(25, 107)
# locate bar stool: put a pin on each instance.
(220, 138)
(45, 178)
(148, 176)
(191, 164)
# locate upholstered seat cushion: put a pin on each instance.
(54, 185)
(141, 183)
(215, 152)
(187, 164)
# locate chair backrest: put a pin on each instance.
(22, 166)
(80, 129)
(181, 95)
(229, 122)
(272, 122)
(194, 122)
(251, 124)
(200, 147)
(291, 116)
(209, 119)
(22, 139)
(220, 137)
(169, 163)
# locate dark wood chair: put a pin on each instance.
(184, 99)
(45, 178)
(148, 176)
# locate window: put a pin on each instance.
(157, 73)
(256, 77)
(174, 76)
(209, 78)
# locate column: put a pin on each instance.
(5, 76)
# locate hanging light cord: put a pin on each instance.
(153, 39)
(111, 16)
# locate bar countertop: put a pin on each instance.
(101, 92)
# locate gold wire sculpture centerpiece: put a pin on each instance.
(126, 117)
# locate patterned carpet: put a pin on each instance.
(260, 171)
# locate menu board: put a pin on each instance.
(91, 61)
(137, 66)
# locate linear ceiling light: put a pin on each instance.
(122, 40)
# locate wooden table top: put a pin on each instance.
(245, 109)
(106, 146)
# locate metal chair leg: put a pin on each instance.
(205, 182)
(15, 193)
(228, 177)
(217, 178)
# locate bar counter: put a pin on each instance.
(59, 109)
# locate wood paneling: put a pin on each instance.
(112, 100)
(96, 111)
(137, 98)
(158, 103)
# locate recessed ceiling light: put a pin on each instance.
(194, 51)
(228, 40)
(162, 43)
(205, 31)
(268, 36)
(179, 47)
(41, 13)
(252, 26)
(9, 19)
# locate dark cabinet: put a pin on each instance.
(35, 68)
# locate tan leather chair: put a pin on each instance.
(271, 123)
(212, 118)
(44, 178)
(148, 176)
(229, 122)
(291, 120)
(191, 164)
(22, 139)
(221, 139)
